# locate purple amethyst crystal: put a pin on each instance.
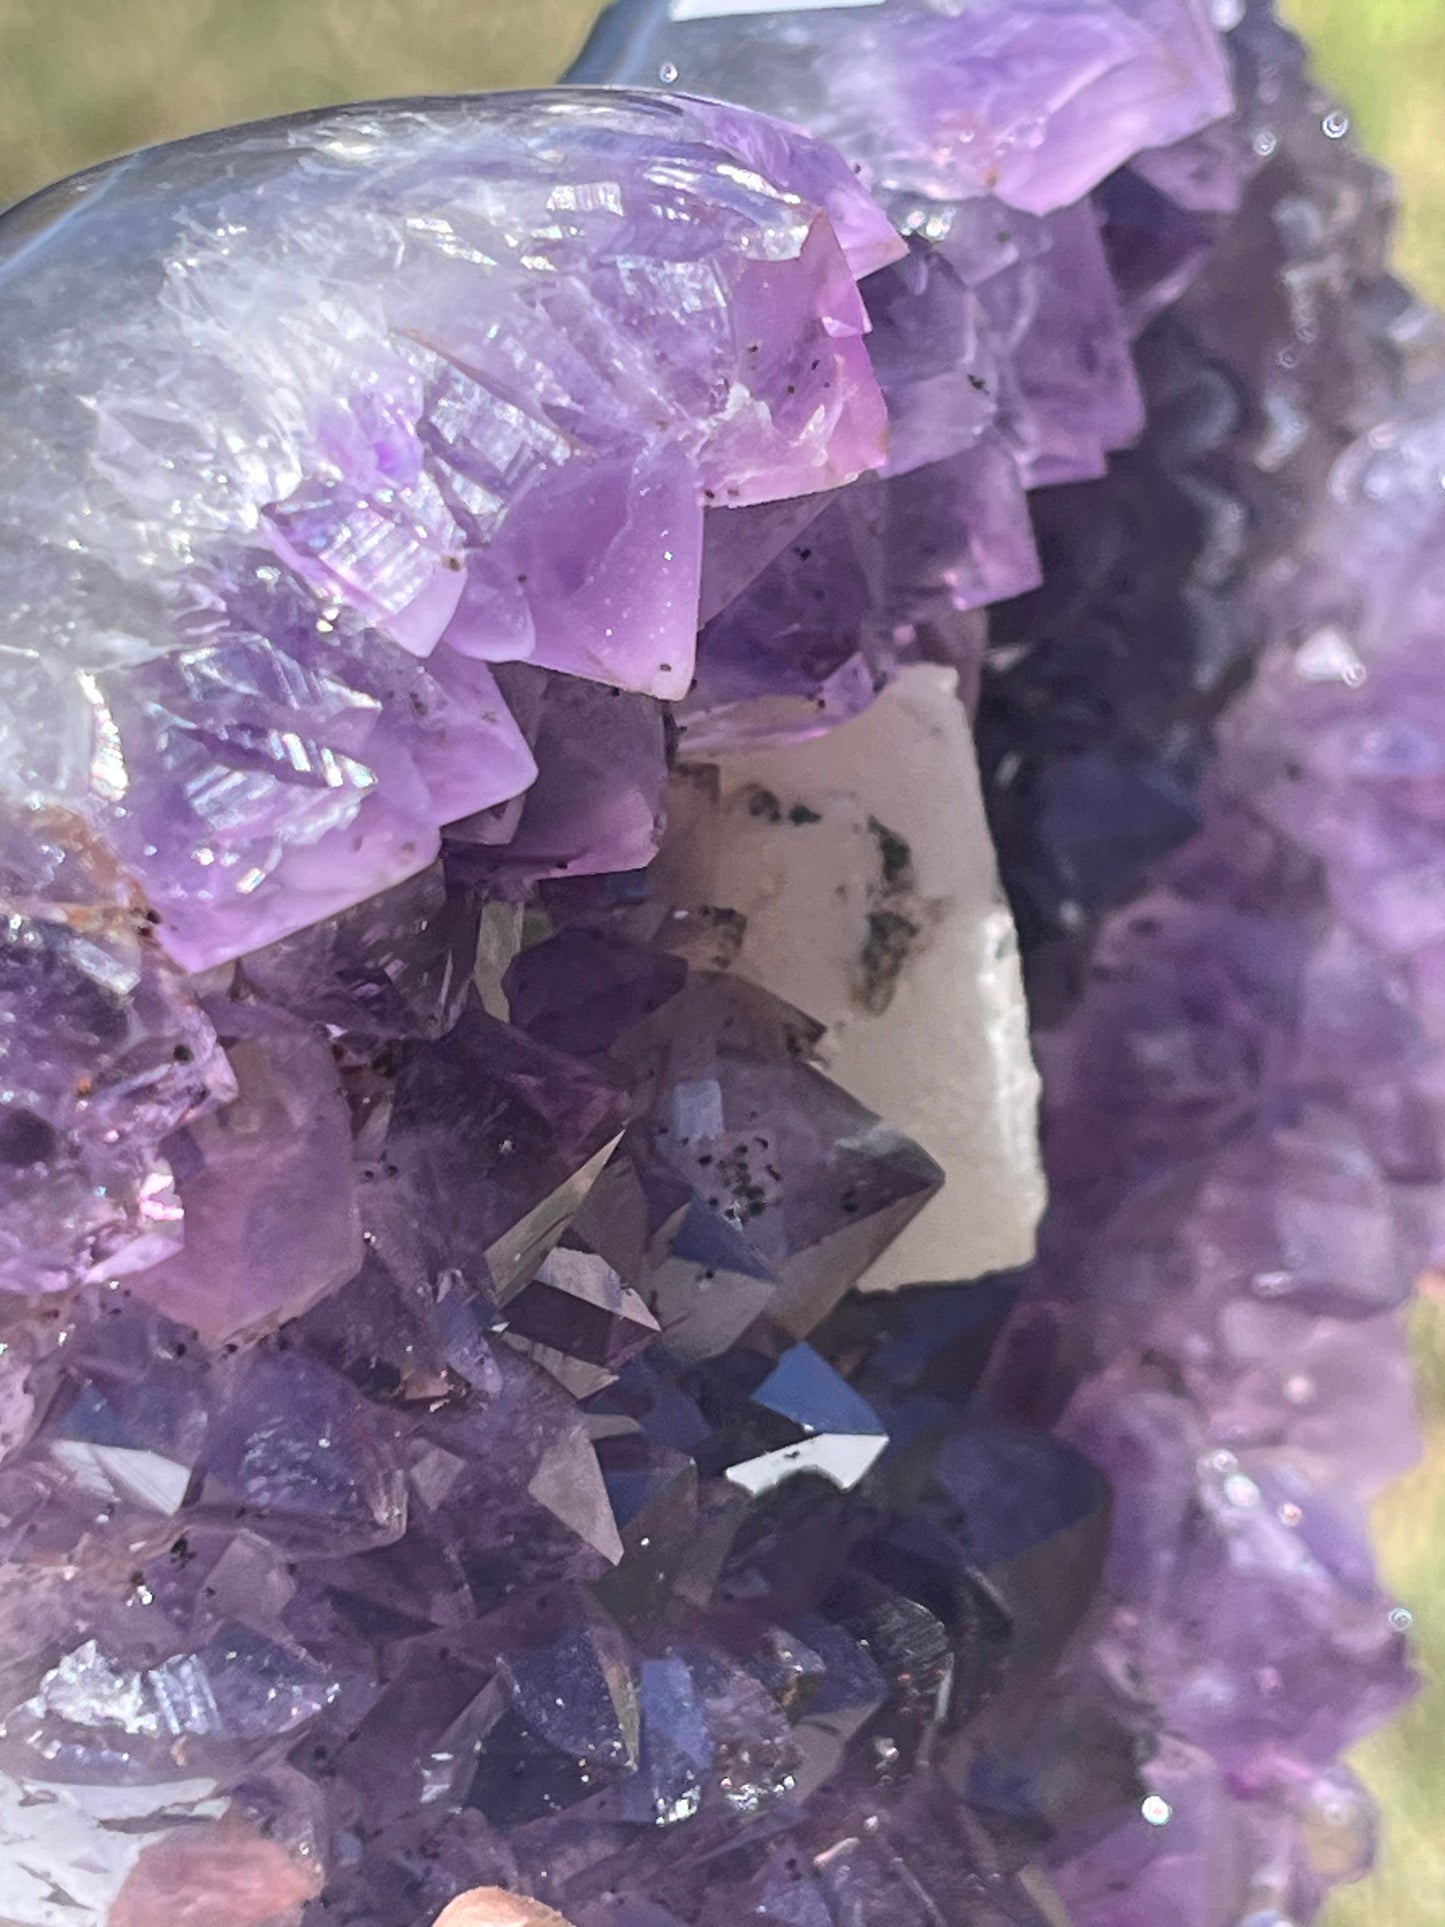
(515, 1043)
(268, 1195)
(1034, 103)
(360, 503)
(106, 1054)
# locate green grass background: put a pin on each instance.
(81, 79)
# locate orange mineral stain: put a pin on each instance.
(222, 1875)
(495, 1907)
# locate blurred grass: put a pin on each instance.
(1386, 59)
(81, 79)
(1405, 1764)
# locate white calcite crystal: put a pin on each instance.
(862, 864)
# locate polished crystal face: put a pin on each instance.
(568, 659)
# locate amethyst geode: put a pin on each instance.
(595, 684)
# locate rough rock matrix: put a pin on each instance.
(607, 697)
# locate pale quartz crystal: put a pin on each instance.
(864, 869)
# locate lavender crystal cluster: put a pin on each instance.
(610, 698)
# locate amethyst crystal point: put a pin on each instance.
(596, 806)
(1036, 102)
(397, 965)
(295, 1444)
(577, 1304)
(553, 327)
(972, 123)
(813, 1183)
(498, 1141)
(267, 1188)
(105, 1055)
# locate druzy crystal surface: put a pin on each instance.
(609, 695)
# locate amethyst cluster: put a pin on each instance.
(629, 713)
